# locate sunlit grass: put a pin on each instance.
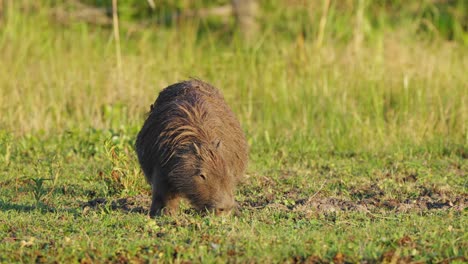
(391, 89)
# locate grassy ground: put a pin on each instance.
(358, 149)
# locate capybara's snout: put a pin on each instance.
(226, 206)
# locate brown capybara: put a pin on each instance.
(192, 146)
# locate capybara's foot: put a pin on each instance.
(154, 212)
(157, 206)
(167, 206)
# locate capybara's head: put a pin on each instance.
(204, 177)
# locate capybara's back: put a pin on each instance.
(192, 146)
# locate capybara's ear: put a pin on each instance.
(217, 143)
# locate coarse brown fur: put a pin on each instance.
(192, 146)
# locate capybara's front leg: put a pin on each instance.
(157, 203)
(172, 204)
(164, 204)
(159, 195)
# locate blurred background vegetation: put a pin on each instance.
(329, 72)
(447, 19)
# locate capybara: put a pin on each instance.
(192, 146)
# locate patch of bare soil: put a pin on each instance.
(365, 199)
(423, 203)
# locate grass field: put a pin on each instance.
(358, 144)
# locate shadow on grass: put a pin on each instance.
(41, 207)
(137, 204)
(5, 206)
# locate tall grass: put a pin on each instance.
(389, 87)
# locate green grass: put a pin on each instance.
(275, 223)
(357, 151)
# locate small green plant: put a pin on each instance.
(125, 174)
(39, 190)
